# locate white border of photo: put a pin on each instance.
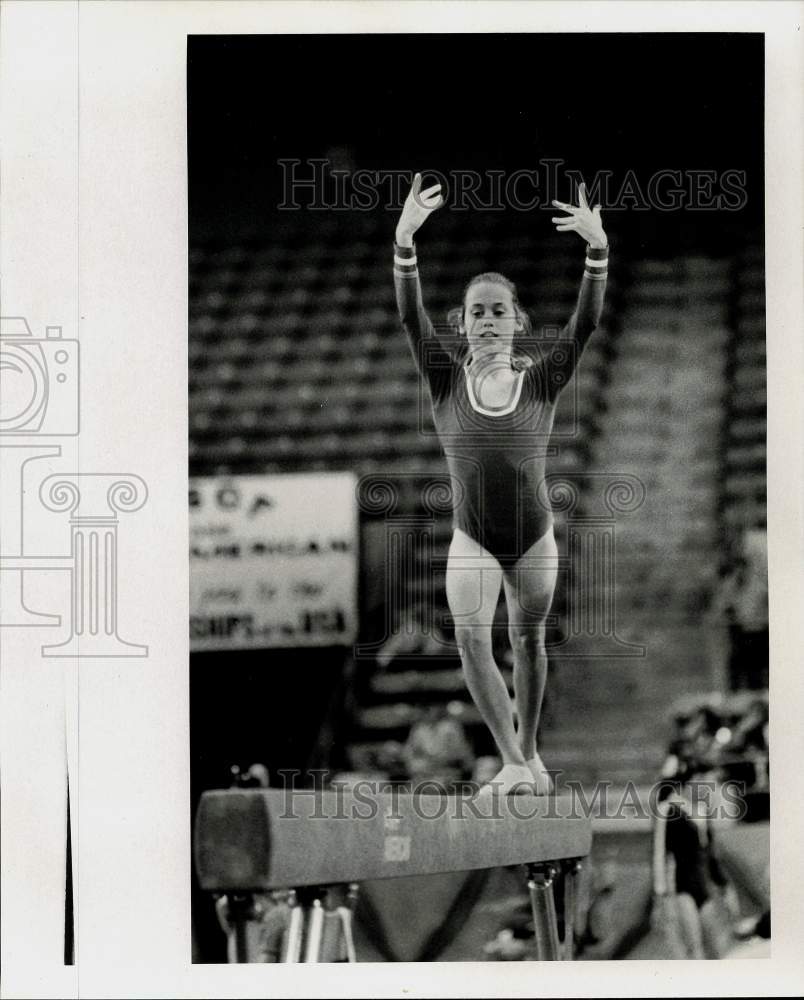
(93, 193)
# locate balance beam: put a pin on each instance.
(253, 841)
(263, 839)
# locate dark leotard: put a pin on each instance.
(496, 458)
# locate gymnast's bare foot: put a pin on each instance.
(543, 783)
(512, 779)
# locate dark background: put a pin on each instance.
(616, 102)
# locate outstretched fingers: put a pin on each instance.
(429, 192)
(582, 206)
(564, 222)
(580, 218)
(582, 196)
(431, 197)
(419, 204)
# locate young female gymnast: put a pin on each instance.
(494, 390)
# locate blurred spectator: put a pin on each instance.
(391, 760)
(724, 737)
(437, 748)
(743, 600)
(693, 748)
(375, 762)
(750, 729)
(255, 776)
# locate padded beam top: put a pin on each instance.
(256, 839)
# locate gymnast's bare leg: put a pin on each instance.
(529, 588)
(473, 588)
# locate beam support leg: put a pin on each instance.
(543, 906)
(315, 930)
(571, 871)
(294, 935)
(240, 912)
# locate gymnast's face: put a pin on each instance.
(490, 319)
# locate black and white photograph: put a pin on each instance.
(478, 559)
(401, 544)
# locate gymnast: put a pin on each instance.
(494, 389)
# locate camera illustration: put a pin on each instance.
(38, 380)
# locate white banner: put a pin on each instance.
(273, 561)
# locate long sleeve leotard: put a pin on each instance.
(496, 458)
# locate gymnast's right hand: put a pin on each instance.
(418, 206)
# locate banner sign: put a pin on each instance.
(273, 561)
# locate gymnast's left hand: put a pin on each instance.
(583, 220)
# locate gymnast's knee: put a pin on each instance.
(527, 639)
(473, 642)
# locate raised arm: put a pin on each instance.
(432, 358)
(564, 355)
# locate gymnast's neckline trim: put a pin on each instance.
(492, 413)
